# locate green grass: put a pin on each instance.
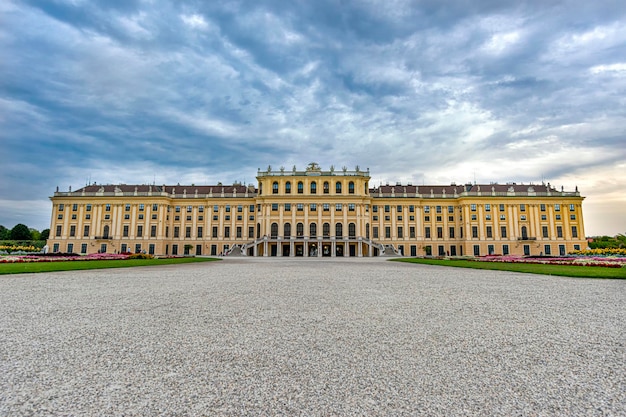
(30, 267)
(559, 270)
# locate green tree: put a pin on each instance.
(4, 233)
(20, 232)
(45, 234)
(34, 234)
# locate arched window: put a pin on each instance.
(300, 187)
(258, 230)
(275, 187)
(274, 230)
(313, 230)
(326, 187)
(313, 187)
(367, 230)
(338, 188)
(352, 230)
(524, 232)
(326, 229)
(350, 187)
(339, 230)
(105, 233)
(287, 228)
(288, 187)
(299, 229)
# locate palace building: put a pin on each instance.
(317, 213)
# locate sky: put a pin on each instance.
(428, 92)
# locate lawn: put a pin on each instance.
(30, 267)
(560, 270)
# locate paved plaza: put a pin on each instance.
(310, 337)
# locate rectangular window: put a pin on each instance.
(502, 217)
(142, 207)
(176, 231)
(125, 230)
(438, 209)
(74, 207)
(61, 207)
(155, 207)
(427, 232)
(338, 207)
(126, 216)
(239, 209)
(474, 232)
(558, 217)
(139, 231)
(250, 231)
(107, 207)
(544, 231)
(60, 216)
(450, 209)
(313, 207)
(439, 232)
(216, 208)
(188, 231)
(375, 232)
(400, 232)
(351, 207)
(141, 217)
(287, 206)
(411, 209)
(374, 209)
(399, 209)
(412, 232)
(200, 231)
(574, 232)
(505, 249)
(167, 231)
(488, 217)
(239, 231)
(154, 216)
(557, 207)
(501, 207)
(227, 231)
(326, 207)
(137, 247)
(489, 231)
(72, 230)
(189, 209)
(86, 230)
(214, 231)
(522, 217)
(88, 207)
(426, 209)
(274, 206)
(542, 207)
(451, 232)
(522, 207)
(227, 208)
(547, 250)
(559, 231)
(127, 207)
(387, 209)
(300, 207)
(83, 248)
(387, 232)
(572, 217)
(544, 217)
(487, 207)
(153, 230)
(572, 207)
(473, 207)
(503, 231)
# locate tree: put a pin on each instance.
(45, 234)
(20, 232)
(34, 234)
(4, 233)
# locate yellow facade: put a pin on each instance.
(318, 213)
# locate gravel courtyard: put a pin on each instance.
(314, 337)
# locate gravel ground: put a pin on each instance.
(254, 336)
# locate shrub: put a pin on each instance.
(140, 256)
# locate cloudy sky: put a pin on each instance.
(143, 91)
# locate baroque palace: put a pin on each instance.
(317, 213)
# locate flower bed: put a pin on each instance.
(61, 257)
(577, 260)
